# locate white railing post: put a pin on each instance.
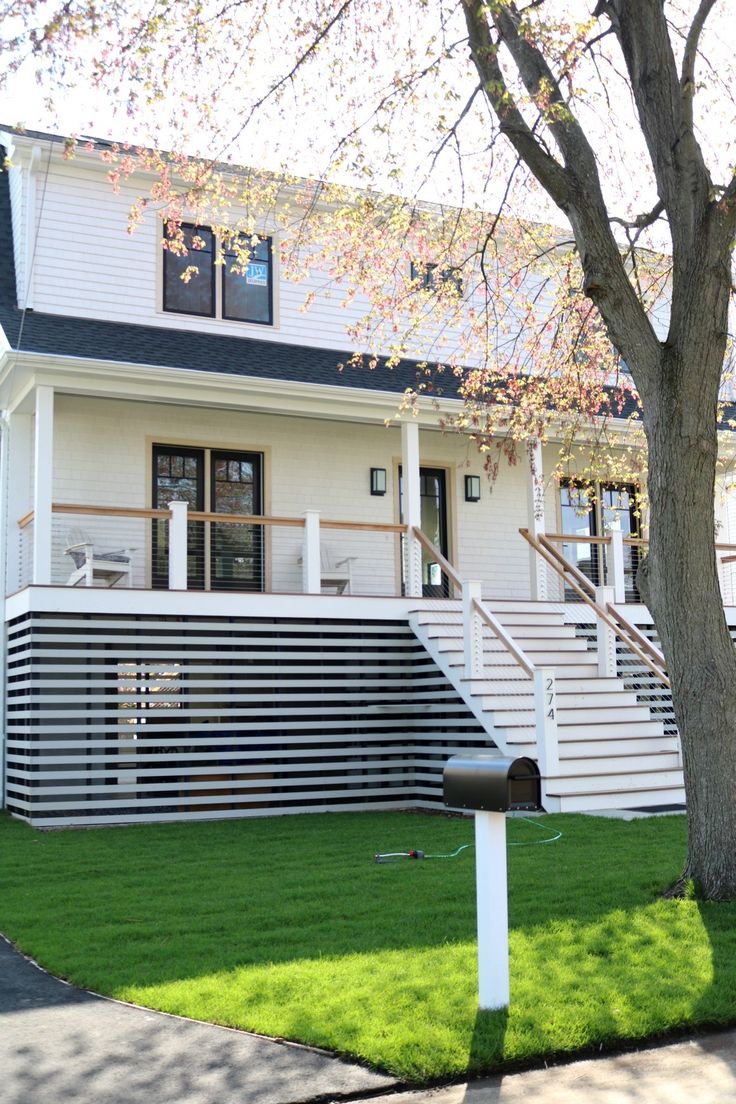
(311, 562)
(545, 715)
(536, 519)
(178, 537)
(411, 508)
(472, 631)
(43, 484)
(617, 578)
(605, 636)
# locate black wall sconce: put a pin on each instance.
(472, 488)
(378, 481)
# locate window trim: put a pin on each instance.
(218, 295)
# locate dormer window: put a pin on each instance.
(430, 276)
(238, 289)
(247, 289)
(187, 291)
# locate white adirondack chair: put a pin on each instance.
(96, 568)
(335, 571)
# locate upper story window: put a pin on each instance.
(240, 288)
(247, 289)
(430, 276)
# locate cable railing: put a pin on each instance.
(599, 601)
(177, 548)
(476, 615)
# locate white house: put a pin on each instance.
(231, 590)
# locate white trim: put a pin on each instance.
(153, 383)
(55, 599)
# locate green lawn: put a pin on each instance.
(287, 927)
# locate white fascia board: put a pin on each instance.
(184, 386)
(5, 346)
(153, 383)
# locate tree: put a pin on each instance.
(511, 91)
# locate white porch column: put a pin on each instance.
(43, 484)
(412, 507)
(17, 481)
(311, 562)
(178, 545)
(605, 636)
(535, 518)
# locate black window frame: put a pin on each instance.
(212, 313)
(217, 252)
(251, 321)
(431, 276)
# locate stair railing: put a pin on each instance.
(475, 615)
(607, 616)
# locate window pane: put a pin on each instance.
(197, 295)
(247, 295)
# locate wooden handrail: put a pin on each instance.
(627, 633)
(566, 567)
(500, 633)
(574, 538)
(26, 519)
(108, 511)
(219, 519)
(243, 519)
(445, 564)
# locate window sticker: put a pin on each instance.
(257, 274)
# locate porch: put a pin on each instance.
(205, 667)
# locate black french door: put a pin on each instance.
(178, 475)
(236, 551)
(220, 556)
(433, 507)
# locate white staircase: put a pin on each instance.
(613, 754)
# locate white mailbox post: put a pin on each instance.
(491, 785)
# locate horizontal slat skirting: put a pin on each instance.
(114, 720)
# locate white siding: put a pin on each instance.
(102, 457)
(87, 265)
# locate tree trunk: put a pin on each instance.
(685, 600)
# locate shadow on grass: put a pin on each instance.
(487, 1044)
(717, 1005)
(147, 905)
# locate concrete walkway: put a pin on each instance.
(58, 1043)
(699, 1071)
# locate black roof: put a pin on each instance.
(172, 348)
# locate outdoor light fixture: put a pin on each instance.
(378, 481)
(472, 488)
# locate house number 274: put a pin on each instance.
(549, 693)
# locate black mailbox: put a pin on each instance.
(491, 783)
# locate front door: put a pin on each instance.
(433, 505)
(619, 510)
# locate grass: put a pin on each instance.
(287, 927)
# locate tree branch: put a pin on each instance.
(548, 171)
(687, 78)
(642, 221)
